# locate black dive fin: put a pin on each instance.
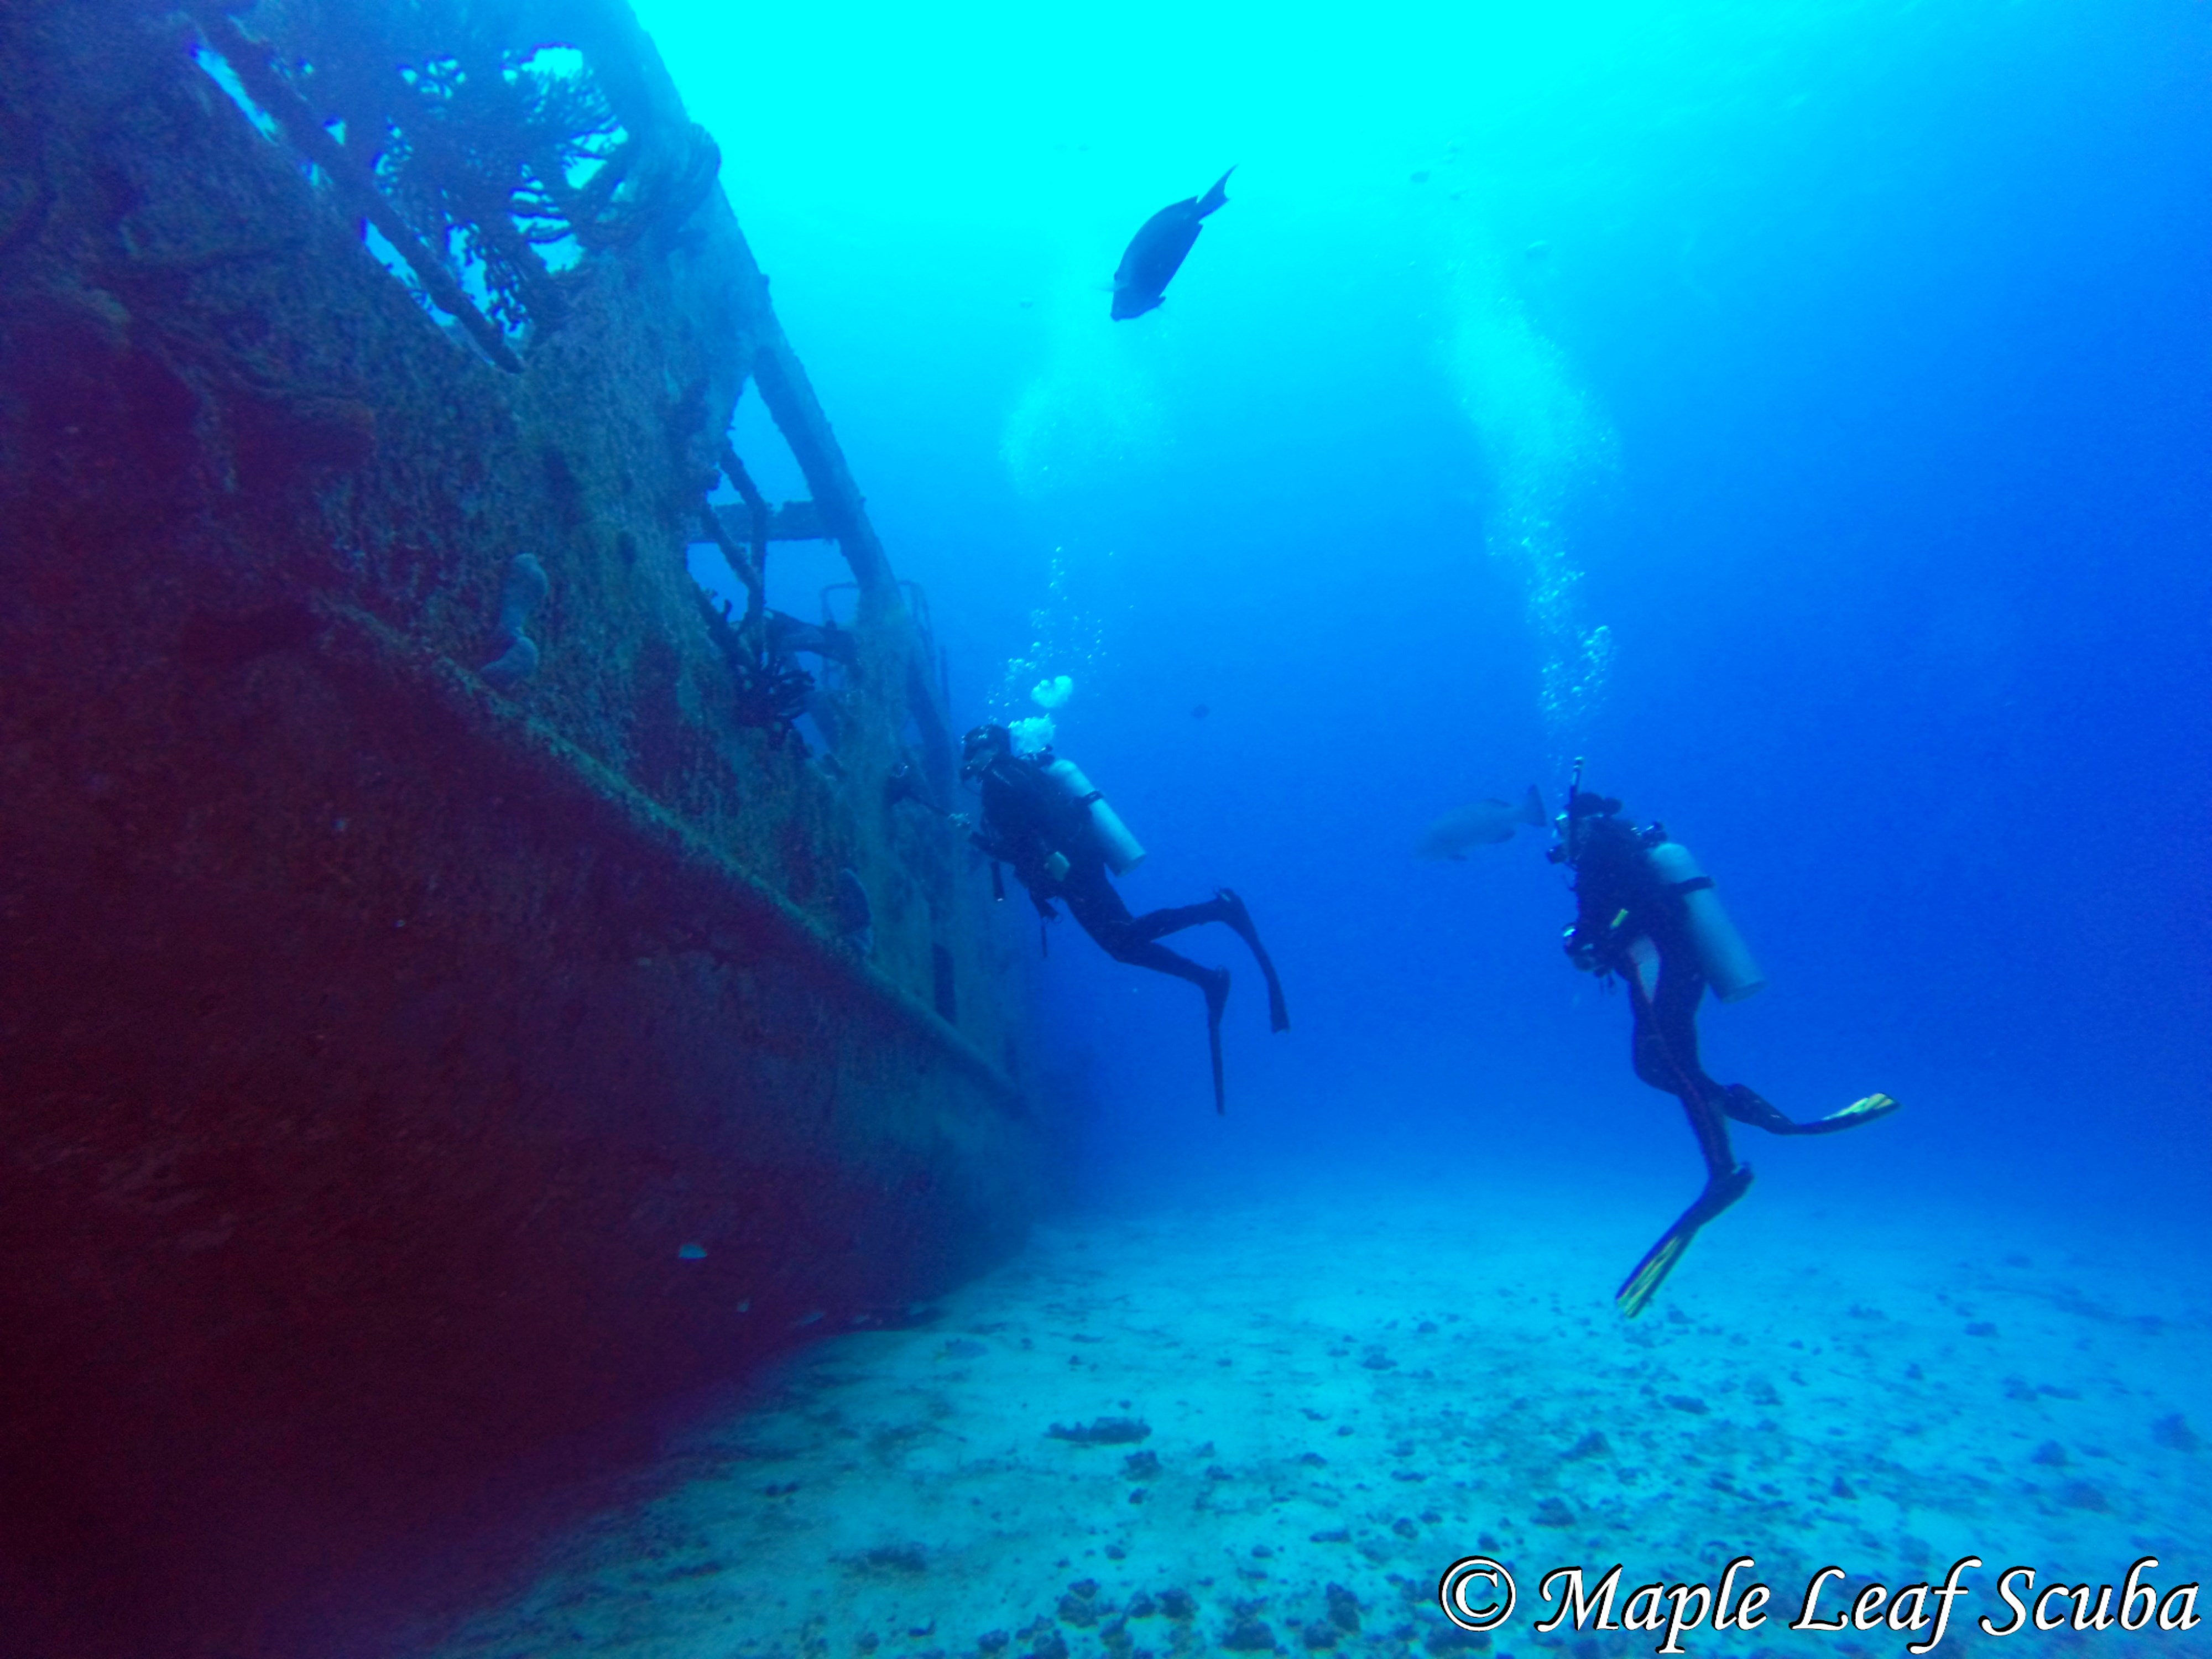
(1240, 919)
(1214, 1041)
(1749, 1106)
(1637, 1290)
(1217, 998)
(1279, 1012)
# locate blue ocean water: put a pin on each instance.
(1800, 412)
(1837, 371)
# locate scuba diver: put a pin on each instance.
(1041, 816)
(1641, 899)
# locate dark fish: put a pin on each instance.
(1200, 711)
(1156, 252)
(1485, 823)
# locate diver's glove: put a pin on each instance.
(1583, 951)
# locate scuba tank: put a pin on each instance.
(1725, 958)
(1123, 851)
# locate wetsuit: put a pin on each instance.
(1620, 901)
(1028, 818)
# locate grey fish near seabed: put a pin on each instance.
(1484, 823)
(1156, 252)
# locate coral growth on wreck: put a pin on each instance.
(487, 163)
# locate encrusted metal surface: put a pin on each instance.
(403, 1069)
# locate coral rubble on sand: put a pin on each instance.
(934, 1493)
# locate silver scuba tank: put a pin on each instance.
(1123, 850)
(1726, 960)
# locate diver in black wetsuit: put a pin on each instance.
(1054, 842)
(1628, 909)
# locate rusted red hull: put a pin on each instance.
(407, 1080)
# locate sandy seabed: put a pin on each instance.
(1288, 1419)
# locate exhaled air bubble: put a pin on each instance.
(1546, 449)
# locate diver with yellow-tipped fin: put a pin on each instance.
(1642, 903)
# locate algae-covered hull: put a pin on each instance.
(403, 1068)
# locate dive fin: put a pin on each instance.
(1637, 1290)
(1217, 998)
(1864, 1110)
(1746, 1106)
(1216, 196)
(1749, 1106)
(1532, 809)
(1240, 919)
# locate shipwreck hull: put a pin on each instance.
(313, 1212)
(403, 1071)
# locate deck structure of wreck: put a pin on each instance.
(435, 1021)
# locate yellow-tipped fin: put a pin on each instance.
(1633, 1298)
(1864, 1110)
